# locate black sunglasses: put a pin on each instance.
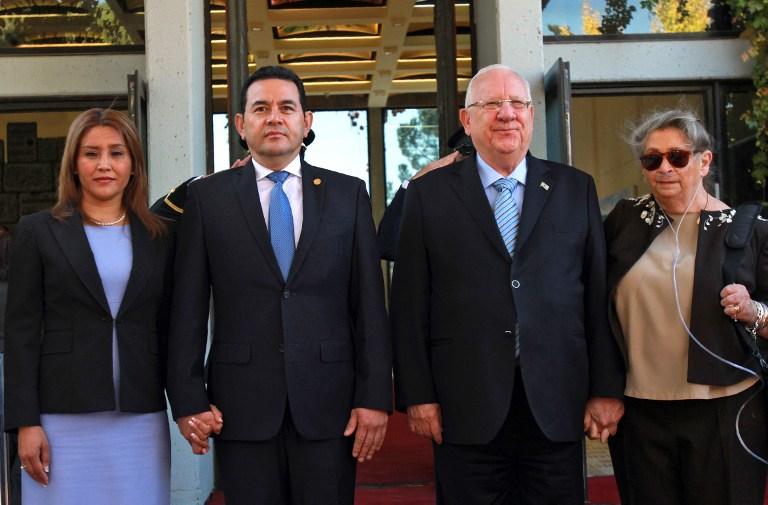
(678, 158)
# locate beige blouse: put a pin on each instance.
(654, 329)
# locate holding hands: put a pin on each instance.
(601, 417)
(197, 428)
(425, 420)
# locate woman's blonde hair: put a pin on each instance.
(135, 194)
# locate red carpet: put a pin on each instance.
(602, 491)
(396, 495)
(403, 459)
(402, 473)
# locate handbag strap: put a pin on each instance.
(736, 239)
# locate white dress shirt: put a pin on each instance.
(292, 189)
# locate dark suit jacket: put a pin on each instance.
(457, 298)
(59, 327)
(318, 341)
(389, 227)
(631, 228)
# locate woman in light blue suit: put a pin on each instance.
(86, 329)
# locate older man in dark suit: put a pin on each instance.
(503, 354)
(300, 356)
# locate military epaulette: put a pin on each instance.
(171, 206)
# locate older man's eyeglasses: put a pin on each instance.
(678, 158)
(496, 105)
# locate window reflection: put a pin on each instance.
(600, 124)
(341, 143)
(614, 17)
(736, 162)
(70, 23)
(410, 142)
(309, 4)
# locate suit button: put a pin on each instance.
(105, 318)
(515, 283)
(508, 332)
(286, 294)
(281, 348)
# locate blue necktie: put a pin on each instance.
(508, 220)
(506, 212)
(281, 223)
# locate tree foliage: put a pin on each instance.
(680, 16)
(560, 30)
(102, 26)
(590, 19)
(753, 15)
(418, 141)
(617, 17)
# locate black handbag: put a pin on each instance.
(736, 239)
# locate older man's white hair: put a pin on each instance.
(469, 97)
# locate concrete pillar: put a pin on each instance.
(175, 66)
(511, 35)
(175, 56)
(378, 179)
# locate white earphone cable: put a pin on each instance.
(675, 262)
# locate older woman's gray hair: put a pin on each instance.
(683, 120)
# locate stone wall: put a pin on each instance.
(29, 167)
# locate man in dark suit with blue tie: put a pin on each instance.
(300, 358)
(503, 355)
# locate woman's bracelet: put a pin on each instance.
(762, 317)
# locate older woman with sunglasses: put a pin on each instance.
(690, 396)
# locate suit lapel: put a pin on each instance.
(468, 186)
(313, 194)
(71, 238)
(143, 255)
(248, 193)
(538, 184)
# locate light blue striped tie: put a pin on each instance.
(508, 220)
(506, 212)
(281, 223)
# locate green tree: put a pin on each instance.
(418, 141)
(103, 25)
(12, 31)
(617, 16)
(753, 16)
(106, 26)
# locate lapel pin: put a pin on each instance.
(317, 182)
(544, 185)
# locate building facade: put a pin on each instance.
(374, 68)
